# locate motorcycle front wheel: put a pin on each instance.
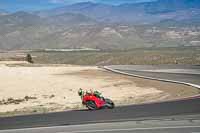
(109, 103)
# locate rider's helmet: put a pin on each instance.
(80, 92)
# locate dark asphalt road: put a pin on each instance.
(175, 124)
(182, 73)
(190, 78)
(187, 106)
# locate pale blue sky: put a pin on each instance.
(30, 5)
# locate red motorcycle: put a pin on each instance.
(94, 102)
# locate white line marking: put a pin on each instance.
(131, 129)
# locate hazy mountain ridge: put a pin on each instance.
(100, 37)
(166, 6)
(20, 19)
(70, 19)
(164, 23)
(147, 12)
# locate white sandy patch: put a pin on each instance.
(12, 62)
(56, 87)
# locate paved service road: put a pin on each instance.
(173, 124)
(182, 73)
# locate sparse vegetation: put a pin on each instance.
(29, 58)
(150, 56)
(140, 56)
(16, 100)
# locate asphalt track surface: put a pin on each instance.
(182, 73)
(119, 114)
(174, 124)
(187, 106)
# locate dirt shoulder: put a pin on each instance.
(41, 89)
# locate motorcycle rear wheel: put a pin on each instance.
(91, 105)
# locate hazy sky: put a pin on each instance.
(29, 5)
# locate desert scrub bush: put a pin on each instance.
(29, 58)
(16, 101)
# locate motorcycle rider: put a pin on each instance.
(98, 94)
(81, 93)
(106, 102)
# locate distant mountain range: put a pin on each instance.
(139, 13)
(92, 25)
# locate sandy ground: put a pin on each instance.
(33, 89)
